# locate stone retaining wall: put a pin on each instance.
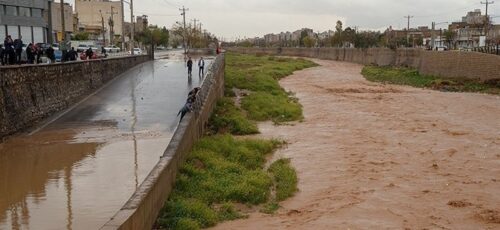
(450, 64)
(141, 211)
(31, 93)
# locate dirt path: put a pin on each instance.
(373, 156)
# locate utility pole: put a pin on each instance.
(103, 29)
(123, 25)
(111, 27)
(63, 46)
(63, 23)
(184, 21)
(133, 26)
(487, 3)
(194, 32)
(433, 36)
(408, 29)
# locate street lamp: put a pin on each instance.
(132, 32)
(103, 31)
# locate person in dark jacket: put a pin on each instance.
(39, 53)
(72, 54)
(30, 53)
(1, 55)
(89, 53)
(190, 67)
(103, 52)
(51, 54)
(18, 46)
(9, 53)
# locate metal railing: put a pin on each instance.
(493, 49)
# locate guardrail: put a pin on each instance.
(495, 49)
(142, 209)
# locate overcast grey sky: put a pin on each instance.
(250, 18)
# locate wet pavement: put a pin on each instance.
(77, 171)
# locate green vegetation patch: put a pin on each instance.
(285, 179)
(228, 118)
(411, 77)
(219, 170)
(222, 171)
(260, 75)
(263, 106)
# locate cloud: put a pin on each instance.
(240, 18)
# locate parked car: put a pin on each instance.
(58, 55)
(55, 46)
(94, 48)
(82, 48)
(112, 49)
(137, 51)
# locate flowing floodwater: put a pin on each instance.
(77, 171)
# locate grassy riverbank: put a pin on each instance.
(224, 174)
(411, 77)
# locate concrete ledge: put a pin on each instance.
(142, 209)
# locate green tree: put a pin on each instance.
(82, 36)
(309, 41)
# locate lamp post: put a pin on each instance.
(132, 31)
(102, 28)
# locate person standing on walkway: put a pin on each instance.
(50, 54)
(190, 67)
(89, 53)
(9, 53)
(1, 55)
(103, 52)
(18, 46)
(39, 53)
(30, 53)
(201, 65)
(72, 54)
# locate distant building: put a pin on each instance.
(56, 20)
(28, 19)
(141, 23)
(473, 26)
(421, 34)
(91, 14)
(474, 17)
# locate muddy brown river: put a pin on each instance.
(76, 171)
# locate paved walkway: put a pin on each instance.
(372, 156)
(78, 171)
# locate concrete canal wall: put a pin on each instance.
(449, 64)
(31, 93)
(141, 211)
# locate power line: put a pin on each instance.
(170, 4)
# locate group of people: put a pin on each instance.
(188, 107)
(201, 66)
(12, 50)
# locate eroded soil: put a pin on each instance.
(373, 156)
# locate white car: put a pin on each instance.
(112, 49)
(137, 51)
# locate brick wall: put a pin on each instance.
(451, 64)
(31, 93)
